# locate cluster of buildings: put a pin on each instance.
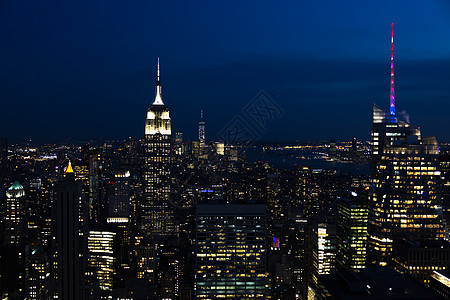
(162, 218)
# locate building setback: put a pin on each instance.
(156, 212)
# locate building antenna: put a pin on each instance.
(157, 74)
(158, 99)
(392, 94)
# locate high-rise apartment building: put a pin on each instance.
(405, 177)
(231, 251)
(156, 212)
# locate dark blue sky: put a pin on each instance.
(86, 69)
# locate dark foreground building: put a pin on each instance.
(371, 283)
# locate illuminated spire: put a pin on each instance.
(392, 94)
(158, 99)
(201, 114)
(69, 168)
(157, 74)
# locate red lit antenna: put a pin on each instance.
(392, 96)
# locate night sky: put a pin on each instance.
(86, 69)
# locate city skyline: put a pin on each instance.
(251, 175)
(95, 80)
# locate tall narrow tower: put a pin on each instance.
(69, 238)
(392, 94)
(156, 212)
(201, 131)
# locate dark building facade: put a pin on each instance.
(69, 247)
(419, 259)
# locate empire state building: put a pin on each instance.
(156, 211)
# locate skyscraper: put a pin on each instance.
(15, 222)
(352, 219)
(323, 250)
(231, 251)
(69, 238)
(119, 220)
(94, 200)
(179, 147)
(14, 252)
(101, 258)
(156, 212)
(405, 178)
(119, 203)
(201, 131)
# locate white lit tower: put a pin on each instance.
(156, 211)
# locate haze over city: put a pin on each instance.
(87, 70)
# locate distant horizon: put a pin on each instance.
(256, 143)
